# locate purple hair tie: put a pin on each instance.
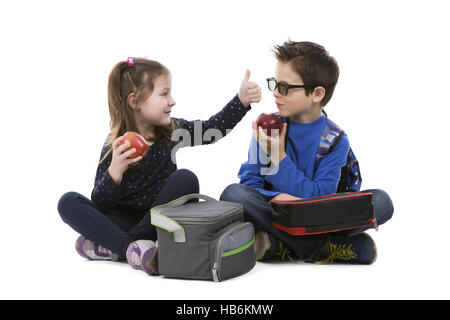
(130, 62)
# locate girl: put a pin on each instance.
(115, 224)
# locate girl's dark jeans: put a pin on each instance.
(114, 230)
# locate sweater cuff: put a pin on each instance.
(239, 107)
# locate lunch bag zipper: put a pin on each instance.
(208, 220)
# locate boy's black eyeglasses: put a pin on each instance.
(283, 87)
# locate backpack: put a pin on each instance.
(350, 173)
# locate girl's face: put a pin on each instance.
(155, 110)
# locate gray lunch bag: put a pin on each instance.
(203, 240)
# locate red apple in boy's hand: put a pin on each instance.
(268, 122)
(136, 141)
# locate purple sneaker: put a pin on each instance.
(143, 255)
(89, 250)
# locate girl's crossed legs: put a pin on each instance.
(115, 230)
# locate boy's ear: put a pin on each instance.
(318, 94)
(131, 101)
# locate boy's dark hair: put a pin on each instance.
(313, 63)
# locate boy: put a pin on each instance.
(304, 81)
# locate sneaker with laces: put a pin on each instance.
(92, 251)
(265, 245)
(143, 255)
(284, 252)
(358, 249)
(268, 247)
(262, 244)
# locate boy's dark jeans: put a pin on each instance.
(114, 230)
(258, 211)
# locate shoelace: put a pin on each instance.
(342, 252)
(284, 252)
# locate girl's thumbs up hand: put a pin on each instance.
(250, 91)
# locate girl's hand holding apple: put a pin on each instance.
(123, 155)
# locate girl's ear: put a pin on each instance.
(131, 101)
(318, 94)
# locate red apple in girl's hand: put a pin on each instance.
(136, 141)
(268, 122)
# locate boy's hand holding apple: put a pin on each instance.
(268, 139)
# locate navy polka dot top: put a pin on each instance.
(141, 184)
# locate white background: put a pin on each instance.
(392, 100)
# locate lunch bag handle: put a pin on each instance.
(158, 219)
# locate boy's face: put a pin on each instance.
(295, 103)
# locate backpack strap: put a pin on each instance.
(350, 173)
(329, 138)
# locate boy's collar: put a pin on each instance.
(306, 118)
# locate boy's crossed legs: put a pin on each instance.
(311, 248)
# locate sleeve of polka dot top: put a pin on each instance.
(106, 192)
(200, 132)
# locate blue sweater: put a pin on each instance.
(295, 173)
(140, 185)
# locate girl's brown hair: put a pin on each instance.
(123, 80)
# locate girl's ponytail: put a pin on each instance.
(115, 103)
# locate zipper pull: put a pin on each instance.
(214, 272)
(375, 223)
